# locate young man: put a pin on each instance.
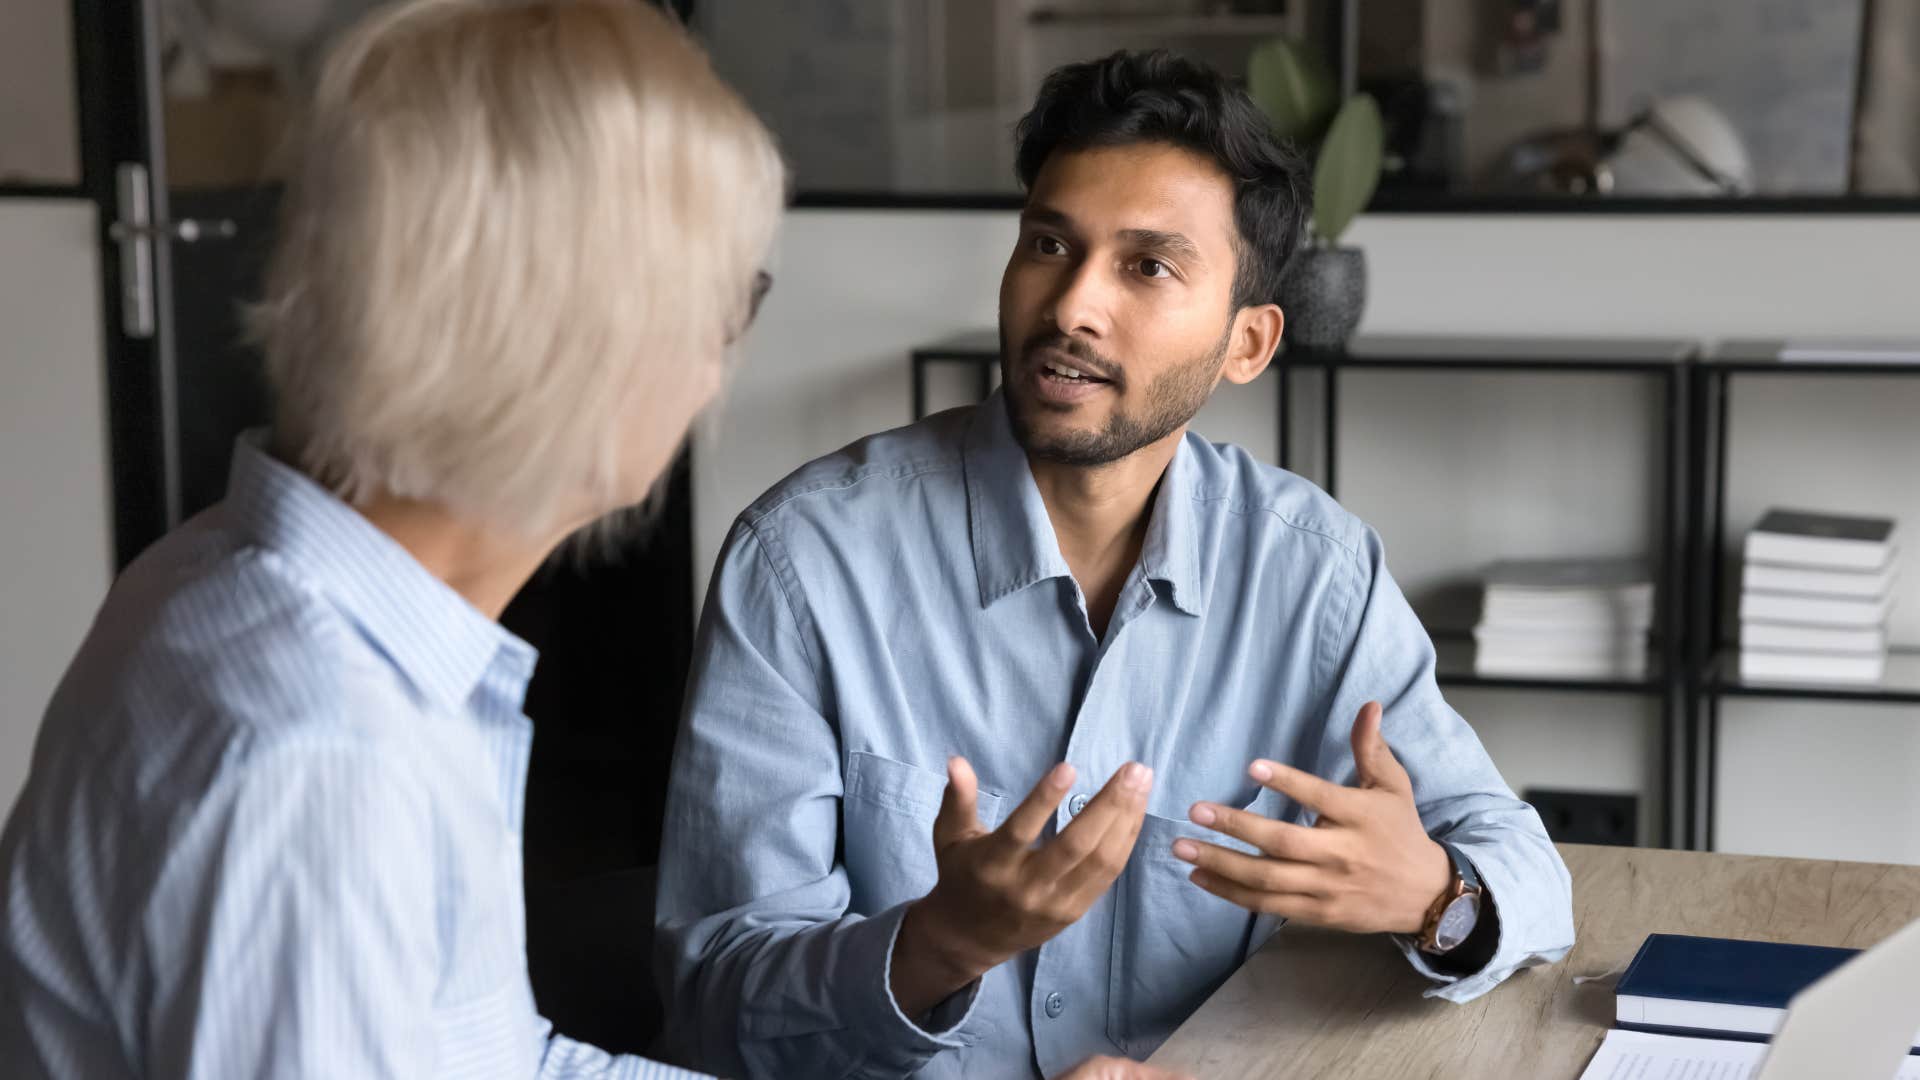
(922, 655)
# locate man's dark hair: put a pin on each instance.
(1157, 97)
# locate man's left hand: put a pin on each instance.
(1365, 865)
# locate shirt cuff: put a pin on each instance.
(898, 1043)
(1511, 950)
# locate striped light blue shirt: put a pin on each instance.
(273, 821)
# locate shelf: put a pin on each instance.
(1454, 667)
(1761, 356)
(1639, 355)
(1646, 355)
(1901, 684)
(1166, 25)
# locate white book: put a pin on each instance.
(1600, 594)
(1786, 637)
(1580, 645)
(1765, 577)
(1767, 665)
(1646, 1056)
(1576, 637)
(1813, 610)
(1595, 612)
(1575, 614)
(1524, 667)
(1822, 541)
(1708, 1018)
(1562, 575)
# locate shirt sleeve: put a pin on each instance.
(1383, 653)
(764, 971)
(296, 923)
(297, 929)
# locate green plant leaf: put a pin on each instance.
(1293, 86)
(1349, 167)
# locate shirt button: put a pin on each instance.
(1077, 804)
(1055, 1005)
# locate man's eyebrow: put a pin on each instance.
(1173, 243)
(1045, 215)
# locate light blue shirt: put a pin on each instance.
(273, 822)
(905, 600)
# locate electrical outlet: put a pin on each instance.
(1588, 817)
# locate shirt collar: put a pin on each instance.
(1014, 544)
(438, 641)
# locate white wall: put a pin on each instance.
(55, 543)
(39, 140)
(1459, 470)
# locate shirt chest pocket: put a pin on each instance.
(1174, 943)
(887, 829)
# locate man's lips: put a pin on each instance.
(1063, 365)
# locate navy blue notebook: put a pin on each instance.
(1726, 972)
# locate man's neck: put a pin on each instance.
(1100, 516)
(484, 565)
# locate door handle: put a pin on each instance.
(185, 230)
(134, 233)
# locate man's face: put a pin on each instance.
(1123, 274)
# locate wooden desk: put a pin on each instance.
(1318, 1003)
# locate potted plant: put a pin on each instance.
(1326, 290)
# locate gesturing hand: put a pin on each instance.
(1367, 864)
(1113, 1068)
(999, 895)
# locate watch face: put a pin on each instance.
(1456, 922)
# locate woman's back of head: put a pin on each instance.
(516, 237)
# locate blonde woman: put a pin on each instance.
(273, 823)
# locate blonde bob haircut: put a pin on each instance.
(505, 220)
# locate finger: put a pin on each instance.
(1023, 826)
(1113, 1068)
(1285, 905)
(1377, 766)
(1122, 801)
(1279, 839)
(1096, 873)
(1253, 871)
(1323, 797)
(959, 815)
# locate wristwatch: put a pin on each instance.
(1456, 911)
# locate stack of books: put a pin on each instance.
(1571, 619)
(1699, 1007)
(1814, 598)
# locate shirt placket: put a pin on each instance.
(1067, 1003)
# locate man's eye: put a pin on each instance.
(1155, 268)
(1048, 245)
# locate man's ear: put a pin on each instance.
(1256, 336)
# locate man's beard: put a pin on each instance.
(1171, 401)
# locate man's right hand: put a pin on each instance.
(999, 895)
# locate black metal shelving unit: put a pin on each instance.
(1713, 659)
(1668, 361)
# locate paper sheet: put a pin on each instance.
(1637, 1055)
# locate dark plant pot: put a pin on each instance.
(1324, 296)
